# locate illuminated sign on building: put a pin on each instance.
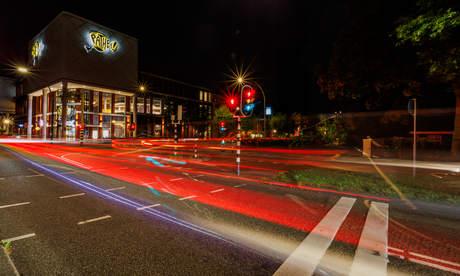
(101, 43)
(36, 50)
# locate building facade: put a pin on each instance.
(83, 80)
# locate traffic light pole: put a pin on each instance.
(238, 145)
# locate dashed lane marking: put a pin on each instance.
(184, 198)
(146, 207)
(215, 191)
(67, 196)
(115, 189)
(12, 205)
(175, 179)
(19, 237)
(95, 219)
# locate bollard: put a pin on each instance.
(195, 150)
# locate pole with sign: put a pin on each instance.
(414, 114)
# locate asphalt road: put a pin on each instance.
(133, 210)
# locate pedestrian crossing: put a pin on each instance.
(371, 256)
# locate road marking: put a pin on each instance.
(146, 207)
(95, 219)
(305, 258)
(101, 170)
(68, 172)
(72, 195)
(19, 237)
(12, 205)
(217, 191)
(184, 198)
(371, 256)
(239, 185)
(115, 189)
(435, 265)
(433, 259)
(175, 179)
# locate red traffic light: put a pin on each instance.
(133, 126)
(222, 124)
(81, 127)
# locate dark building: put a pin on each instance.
(84, 77)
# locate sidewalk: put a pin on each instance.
(7, 267)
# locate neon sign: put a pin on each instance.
(36, 50)
(101, 43)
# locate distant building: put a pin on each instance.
(7, 107)
(85, 74)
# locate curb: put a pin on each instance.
(7, 266)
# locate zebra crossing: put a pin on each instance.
(371, 256)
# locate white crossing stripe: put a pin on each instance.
(371, 256)
(305, 258)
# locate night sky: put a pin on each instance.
(281, 40)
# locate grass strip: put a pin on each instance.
(426, 188)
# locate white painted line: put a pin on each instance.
(2, 178)
(371, 257)
(396, 249)
(72, 195)
(67, 172)
(175, 179)
(434, 259)
(19, 238)
(12, 205)
(435, 265)
(217, 191)
(95, 219)
(239, 185)
(35, 175)
(187, 197)
(396, 255)
(305, 258)
(146, 207)
(115, 189)
(199, 175)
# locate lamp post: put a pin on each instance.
(24, 70)
(240, 80)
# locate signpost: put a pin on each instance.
(414, 114)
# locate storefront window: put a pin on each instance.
(86, 99)
(140, 104)
(120, 101)
(147, 105)
(118, 127)
(106, 121)
(156, 106)
(96, 101)
(106, 103)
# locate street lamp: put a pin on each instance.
(240, 80)
(24, 70)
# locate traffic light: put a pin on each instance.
(133, 126)
(222, 126)
(248, 95)
(81, 127)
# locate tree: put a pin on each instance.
(364, 63)
(278, 122)
(223, 114)
(392, 51)
(297, 122)
(433, 31)
(331, 131)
